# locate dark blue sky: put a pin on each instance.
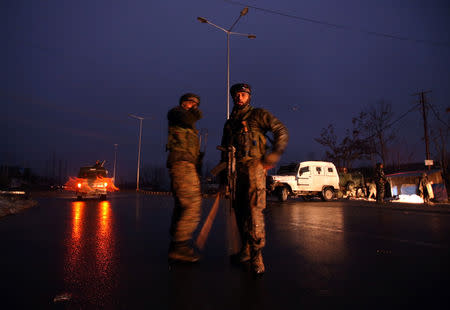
(72, 71)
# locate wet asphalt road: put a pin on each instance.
(112, 255)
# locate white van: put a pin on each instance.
(307, 178)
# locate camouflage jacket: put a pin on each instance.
(183, 142)
(423, 181)
(246, 130)
(380, 178)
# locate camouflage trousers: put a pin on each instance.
(372, 191)
(380, 192)
(188, 200)
(250, 202)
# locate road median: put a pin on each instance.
(13, 205)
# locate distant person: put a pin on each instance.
(245, 130)
(372, 190)
(380, 181)
(425, 189)
(184, 152)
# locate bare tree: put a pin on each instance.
(328, 139)
(346, 152)
(401, 153)
(375, 121)
(440, 133)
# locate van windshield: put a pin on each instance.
(290, 169)
(304, 170)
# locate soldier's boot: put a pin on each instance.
(257, 263)
(183, 251)
(242, 256)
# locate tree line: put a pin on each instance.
(372, 135)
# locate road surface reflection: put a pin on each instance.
(90, 266)
(316, 233)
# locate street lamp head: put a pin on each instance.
(251, 36)
(135, 116)
(202, 20)
(244, 11)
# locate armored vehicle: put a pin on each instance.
(92, 182)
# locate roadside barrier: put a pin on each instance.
(168, 193)
(155, 193)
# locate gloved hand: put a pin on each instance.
(196, 112)
(270, 160)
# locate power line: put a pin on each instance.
(402, 116)
(437, 115)
(337, 26)
(288, 15)
(395, 121)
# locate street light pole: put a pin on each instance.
(115, 160)
(229, 32)
(139, 149)
(228, 75)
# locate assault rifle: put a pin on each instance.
(230, 165)
(229, 192)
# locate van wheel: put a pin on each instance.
(327, 194)
(282, 194)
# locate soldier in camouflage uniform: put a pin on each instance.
(245, 130)
(372, 190)
(184, 155)
(423, 190)
(380, 181)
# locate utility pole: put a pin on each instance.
(139, 149)
(425, 128)
(115, 159)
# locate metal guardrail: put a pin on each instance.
(155, 193)
(12, 193)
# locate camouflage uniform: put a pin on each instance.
(423, 191)
(186, 193)
(372, 190)
(245, 130)
(183, 146)
(380, 181)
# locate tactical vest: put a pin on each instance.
(249, 141)
(183, 140)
